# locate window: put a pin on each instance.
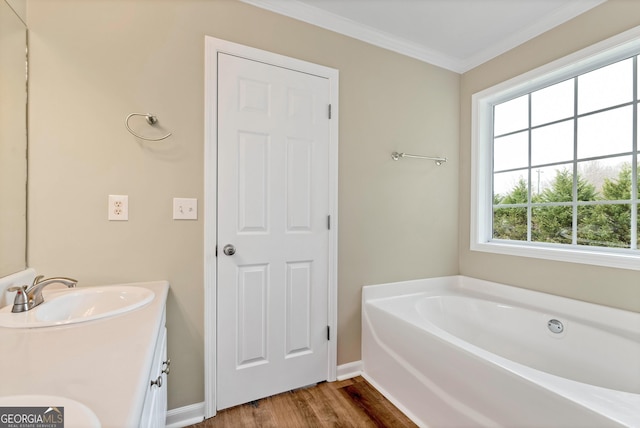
(555, 159)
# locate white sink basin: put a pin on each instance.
(74, 414)
(76, 305)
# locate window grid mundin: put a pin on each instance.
(597, 217)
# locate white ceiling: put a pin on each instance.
(454, 34)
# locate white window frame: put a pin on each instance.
(608, 51)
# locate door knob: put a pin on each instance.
(229, 250)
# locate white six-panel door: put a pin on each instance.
(273, 204)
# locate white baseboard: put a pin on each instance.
(184, 416)
(349, 370)
(194, 413)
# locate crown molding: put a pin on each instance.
(330, 21)
(560, 16)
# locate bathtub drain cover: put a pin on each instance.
(555, 326)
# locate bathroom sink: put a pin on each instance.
(63, 307)
(73, 413)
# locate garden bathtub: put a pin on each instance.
(458, 351)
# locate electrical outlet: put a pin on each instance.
(118, 208)
(185, 209)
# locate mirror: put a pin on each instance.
(13, 141)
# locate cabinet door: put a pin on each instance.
(155, 404)
(160, 410)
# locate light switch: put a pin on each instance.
(185, 209)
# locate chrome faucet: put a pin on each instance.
(28, 298)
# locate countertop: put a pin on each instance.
(103, 364)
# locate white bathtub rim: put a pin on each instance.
(624, 323)
(618, 406)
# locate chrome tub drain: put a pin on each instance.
(555, 326)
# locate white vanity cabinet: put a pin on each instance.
(129, 348)
(154, 411)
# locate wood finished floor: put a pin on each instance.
(348, 403)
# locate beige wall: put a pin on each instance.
(13, 141)
(613, 287)
(20, 8)
(94, 62)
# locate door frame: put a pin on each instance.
(213, 47)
